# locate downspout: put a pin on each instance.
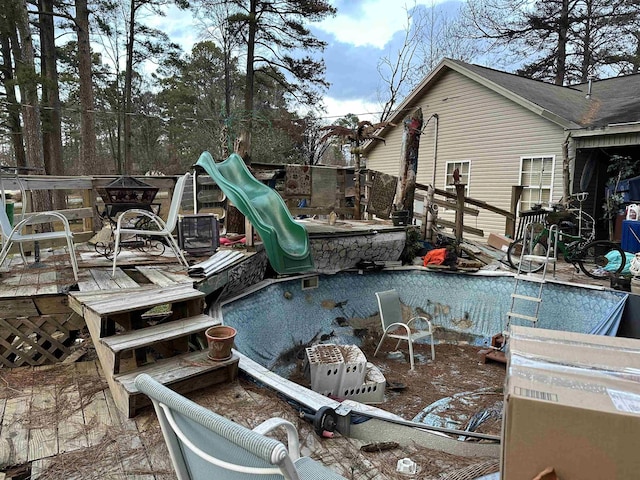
(431, 209)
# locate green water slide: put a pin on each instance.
(286, 241)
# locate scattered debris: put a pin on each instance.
(379, 446)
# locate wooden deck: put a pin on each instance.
(60, 422)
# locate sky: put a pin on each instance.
(362, 32)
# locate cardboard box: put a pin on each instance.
(572, 402)
(499, 241)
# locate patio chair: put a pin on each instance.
(394, 326)
(164, 229)
(15, 234)
(203, 444)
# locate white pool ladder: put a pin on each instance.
(526, 256)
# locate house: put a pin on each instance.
(502, 130)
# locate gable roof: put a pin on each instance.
(612, 101)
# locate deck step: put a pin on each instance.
(161, 332)
(114, 302)
(183, 373)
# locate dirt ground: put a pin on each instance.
(457, 369)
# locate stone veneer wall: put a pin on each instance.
(333, 253)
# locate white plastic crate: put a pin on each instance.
(326, 365)
(354, 367)
(371, 390)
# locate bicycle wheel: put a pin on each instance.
(594, 259)
(514, 253)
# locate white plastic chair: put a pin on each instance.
(204, 445)
(11, 235)
(164, 229)
(392, 321)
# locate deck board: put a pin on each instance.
(47, 283)
(43, 437)
(72, 433)
(95, 411)
(156, 276)
(14, 420)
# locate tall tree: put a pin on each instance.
(193, 98)
(26, 74)
(214, 18)
(9, 36)
(121, 24)
(568, 40)
(271, 31)
(88, 161)
(51, 115)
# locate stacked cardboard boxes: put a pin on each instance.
(572, 402)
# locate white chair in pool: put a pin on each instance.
(161, 228)
(16, 234)
(205, 445)
(394, 326)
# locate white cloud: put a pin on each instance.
(178, 24)
(339, 108)
(373, 24)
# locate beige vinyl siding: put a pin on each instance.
(476, 124)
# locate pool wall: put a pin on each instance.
(278, 318)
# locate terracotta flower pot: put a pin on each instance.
(220, 340)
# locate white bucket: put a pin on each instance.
(633, 212)
(635, 285)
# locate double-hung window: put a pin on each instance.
(464, 171)
(536, 176)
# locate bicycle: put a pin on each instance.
(596, 258)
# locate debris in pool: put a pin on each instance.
(342, 322)
(379, 446)
(397, 355)
(406, 466)
(288, 295)
(395, 386)
(330, 304)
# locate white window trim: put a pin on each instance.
(451, 186)
(553, 173)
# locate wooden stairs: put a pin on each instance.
(154, 330)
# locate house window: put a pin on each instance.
(464, 168)
(536, 176)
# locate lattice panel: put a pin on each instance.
(37, 340)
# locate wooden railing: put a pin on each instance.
(458, 202)
(84, 203)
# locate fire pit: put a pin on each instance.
(129, 190)
(125, 193)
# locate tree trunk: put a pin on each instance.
(244, 143)
(13, 107)
(128, 77)
(409, 162)
(51, 118)
(31, 110)
(561, 60)
(88, 162)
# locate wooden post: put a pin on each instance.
(510, 226)
(430, 215)
(409, 161)
(459, 211)
(356, 203)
